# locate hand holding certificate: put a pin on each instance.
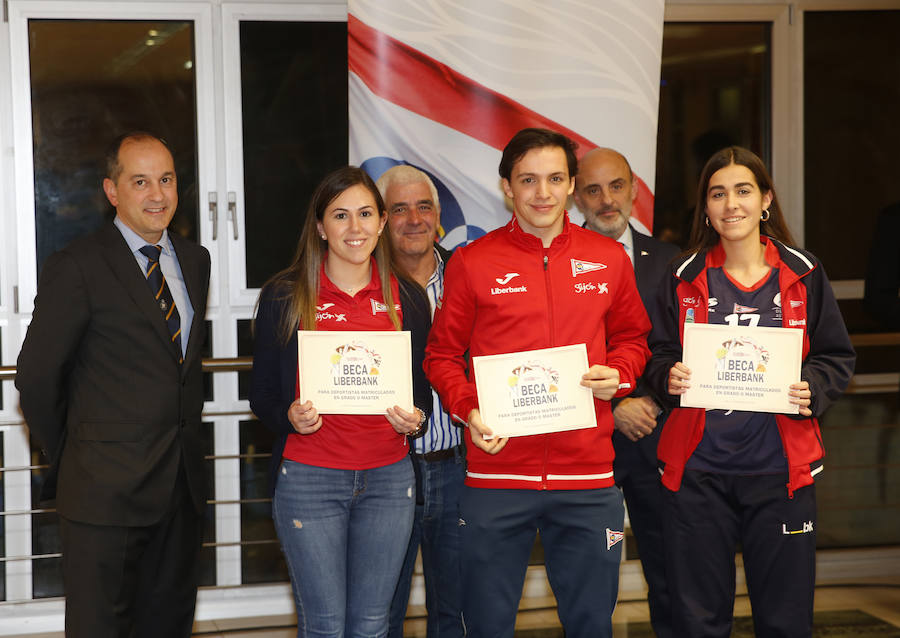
(355, 372)
(740, 368)
(534, 392)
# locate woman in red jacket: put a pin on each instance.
(736, 477)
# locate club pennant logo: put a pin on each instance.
(739, 309)
(613, 537)
(581, 267)
(377, 307)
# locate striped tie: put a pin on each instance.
(160, 290)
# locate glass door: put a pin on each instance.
(81, 74)
(286, 127)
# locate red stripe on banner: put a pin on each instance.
(405, 76)
(642, 209)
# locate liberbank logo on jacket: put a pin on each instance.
(505, 279)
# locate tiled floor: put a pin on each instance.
(857, 611)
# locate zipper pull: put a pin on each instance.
(546, 259)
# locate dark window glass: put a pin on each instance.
(206, 353)
(859, 492)
(294, 105)
(92, 80)
(245, 349)
(714, 92)
(852, 184)
(261, 557)
(46, 572)
(851, 100)
(207, 552)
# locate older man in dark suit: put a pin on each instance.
(111, 385)
(605, 193)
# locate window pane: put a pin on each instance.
(245, 349)
(208, 553)
(261, 559)
(714, 92)
(206, 353)
(294, 104)
(859, 492)
(46, 572)
(851, 95)
(851, 99)
(92, 80)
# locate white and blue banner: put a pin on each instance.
(444, 84)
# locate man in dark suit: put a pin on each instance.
(111, 385)
(605, 193)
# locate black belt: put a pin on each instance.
(441, 455)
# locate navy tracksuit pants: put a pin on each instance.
(705, 522)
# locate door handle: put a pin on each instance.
(232, 212)
(214, 213)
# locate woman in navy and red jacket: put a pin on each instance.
(736, 477)
(344, 492)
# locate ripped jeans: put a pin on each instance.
(344, 535)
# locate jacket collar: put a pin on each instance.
(797, 261)
(530, 241)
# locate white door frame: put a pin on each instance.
(20, 11)
(232, 226)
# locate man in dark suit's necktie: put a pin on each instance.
(160, 290)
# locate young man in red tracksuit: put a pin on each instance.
(539, 282)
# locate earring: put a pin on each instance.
(765, 216)
(324, 237)
(379, 231)
(707, 221)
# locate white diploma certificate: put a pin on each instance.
(534, 392)
(741, 367)
(355, 372)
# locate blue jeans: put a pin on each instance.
(344, 534)
(582, 564)
(436, 529)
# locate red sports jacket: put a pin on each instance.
(507, 293)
